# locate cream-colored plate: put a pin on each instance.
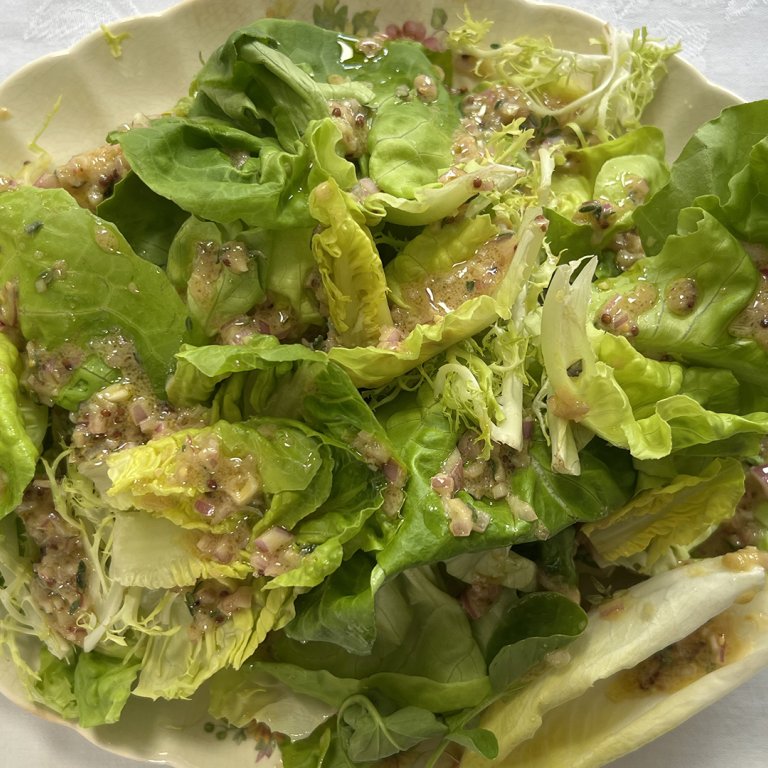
(82, 94)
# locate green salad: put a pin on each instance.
(397, 395)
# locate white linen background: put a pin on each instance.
(726, 40)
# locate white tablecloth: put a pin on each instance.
(725, 39)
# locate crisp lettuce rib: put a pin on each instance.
(647, 618)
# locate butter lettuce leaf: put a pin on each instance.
(176, 663)
(541, 502)
(21, 421)
(411, 139)
(724, 279)
(375, 366)
(102, 685)
(350, 268)
(218, 172)
(436, 676)
(674, 516)
(148, 221)
(351, 518)
(536, 625)
(587, 388)
(272, 77)
(435, 201)
(79, 279)
(620, 173)
(240, 696)
(253, 83)
(605, 170)
(167, 476)
(413, 611)
(366, 734)
(340, 610)
(53, 685)
(200, 369)
(264, 378)
(722, 168)
(216, 272)
(258, 137)
(436, 252)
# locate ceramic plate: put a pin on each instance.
(75, 98)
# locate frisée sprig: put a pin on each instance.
(605, 92)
